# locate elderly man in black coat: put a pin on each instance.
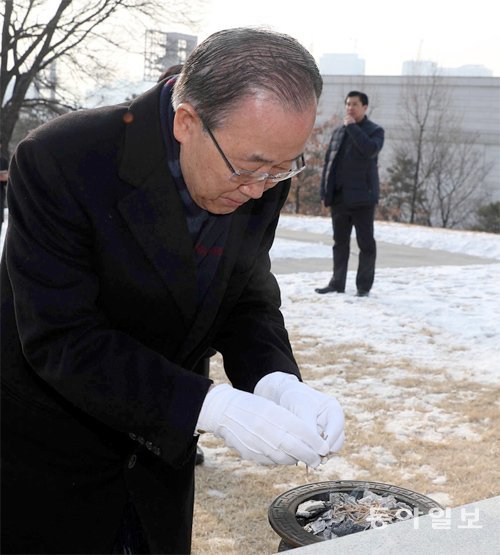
(138, 240)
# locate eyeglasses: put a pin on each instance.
(245, 177)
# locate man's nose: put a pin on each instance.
(254, 190)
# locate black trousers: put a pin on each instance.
(56, 498)
(343, 220)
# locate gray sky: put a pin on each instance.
(384, 33)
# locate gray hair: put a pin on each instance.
(233, 64)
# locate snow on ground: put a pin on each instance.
(442, 316)
(415, 367)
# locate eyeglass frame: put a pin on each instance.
(262, 176)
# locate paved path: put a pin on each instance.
(388, 256)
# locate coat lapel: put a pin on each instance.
(155, 216)
(154, 211)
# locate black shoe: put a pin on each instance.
(362, 293)
(200, 457)
(328, 289)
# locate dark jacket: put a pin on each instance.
(351, 164)
(100, 327)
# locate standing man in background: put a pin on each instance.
(350, 187)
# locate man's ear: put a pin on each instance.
(186, 121)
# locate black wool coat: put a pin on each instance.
(101, 332)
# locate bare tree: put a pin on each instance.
(437, 165)
(454, 182)
(38, 33)
(422, 116)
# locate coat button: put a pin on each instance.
(131, 461)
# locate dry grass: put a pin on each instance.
(405, 425)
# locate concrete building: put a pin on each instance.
(341, 64)
(419, 67)
(476, 100)
(163, 50)
(469, 70)
(428, 67)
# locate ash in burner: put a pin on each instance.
(348, 513)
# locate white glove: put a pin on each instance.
(322, 413)
(258, 429)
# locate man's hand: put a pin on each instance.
(322, 413)
(348, 120)
(259, 429)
